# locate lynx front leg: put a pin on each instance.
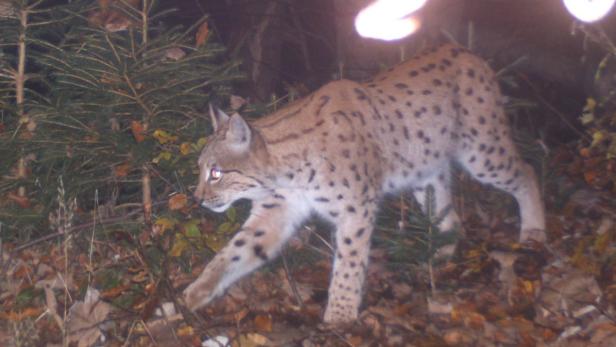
(350, 264)
(270, 224)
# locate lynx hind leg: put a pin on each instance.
(499, 164)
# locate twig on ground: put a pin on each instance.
(292, 283)
(80, 227)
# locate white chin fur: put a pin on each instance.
(217, 209)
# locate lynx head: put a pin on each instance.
(233, 164)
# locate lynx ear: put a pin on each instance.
(239, 132)
(218, 117)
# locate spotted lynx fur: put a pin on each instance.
(336, 153)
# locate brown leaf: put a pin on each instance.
(85, 318)
(202, 34)
(241, 314)
(121, 170)
(138, 131)
(175, 53)
(114, 292)
(590, 176)
(178, 201)
(355, 340)
(22, 201)
(29, 312)
(457, 337)
(263, 323)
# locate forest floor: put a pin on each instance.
(494, 292)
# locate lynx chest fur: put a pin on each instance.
(339, 150)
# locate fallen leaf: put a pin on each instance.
(202, 34)
(175, 53)
(590, 176)
(185, 148)
(263, 323)
(216, 341)
(29, 312)
(165, 224)
(164, 137)
(121, 170)
(252, 340)
(457, 337)
(236, 102)
(22, 201)
(177, 202)
(355, 340)
(114, 292)
(185, 331)
(85, 318)
(179, 245)
(164, 155)
(436, 307)
(138, 131)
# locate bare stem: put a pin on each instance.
(20, 80)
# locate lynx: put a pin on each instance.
(336, 152)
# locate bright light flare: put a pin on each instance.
(589, 10)
(388, 19)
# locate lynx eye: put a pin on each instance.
(215, 174)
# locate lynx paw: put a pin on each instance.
(198, 294)
(537, 235)
(339, 316)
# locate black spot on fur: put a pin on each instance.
(345, 182)
(360, 232)
(312, 173)
(258, 249)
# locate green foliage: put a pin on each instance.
(417, 237)
(108, 105)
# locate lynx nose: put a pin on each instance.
(197, 198)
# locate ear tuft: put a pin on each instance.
(218, 117)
